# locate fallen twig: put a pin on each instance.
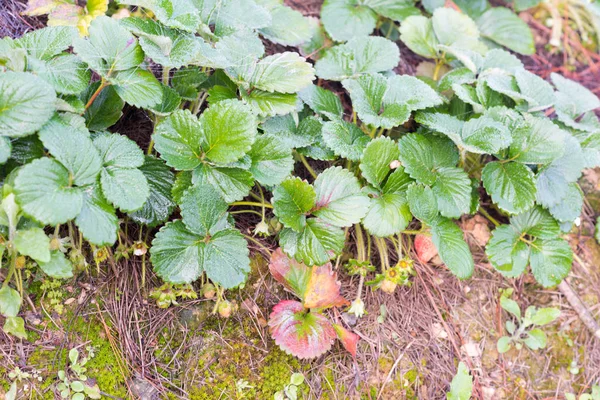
(582, 310)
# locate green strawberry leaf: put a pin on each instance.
(322, 101)
(272, 160)
(452, 190)
(361, 55)
(159, 205)
(511, 185)
(416, 32)
(550, 260)
(118, 151)
(106, 109)
(110, 47)
(126, 188)
(165, 46)
(305, 133)
(398, 10)
(138, 87)
(266, 103)
(504, 27)
(285, 72)
(454, 251)
(180, 14)
(454, 28)
(74, 149)
(339, 201)
(288, 27)
(422, 202)
(97, 220)
(170, 102)
(376, 159)
(180, 256)
(345, 139)
(422, 156)
(203, 210)
(569, 207)
(232, 183)
(48, 42)
(66, 73)
(34, 243)
(5, 149)
(292, 200)
(228, 129)
(58, 267)
(178, 138)
(538, 142)
(43, 190)
(388, 214)
(26, 103)
(346, 19)
(315, 244)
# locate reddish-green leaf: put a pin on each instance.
(299, 332)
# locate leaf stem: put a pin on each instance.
(251, 203)
(245, 212)
(307, 166)
(165, 75)
(360, 243)
(103, 84)
(486, 214)
(259, 244)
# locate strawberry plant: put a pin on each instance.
(238, 131)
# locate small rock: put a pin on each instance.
(143, 389)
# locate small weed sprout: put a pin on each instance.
(524, 330)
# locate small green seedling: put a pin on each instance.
(73, 381)
(595, 395)
(241, 385)
(290, 391)
(524, 331)
(461, 386)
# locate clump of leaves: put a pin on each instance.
(290, 390)
(167, 294)
(74, 381)
(300, 327)
(524, 330)
(594, 395)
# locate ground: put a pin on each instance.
(411, 341)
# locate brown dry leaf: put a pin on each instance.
(477, 228)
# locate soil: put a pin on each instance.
(411, 341)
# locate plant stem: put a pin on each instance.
(251, 203)
(360, 243)
(493, 220)
(246, 212)
(383, 253)
(307, 166)
(259, 244)
(103, 84)
(165, 75)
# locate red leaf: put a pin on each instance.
(293, 275)
(425, 248)
(323, 289)
(317, 287)
(299, 332)
(349, 339)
